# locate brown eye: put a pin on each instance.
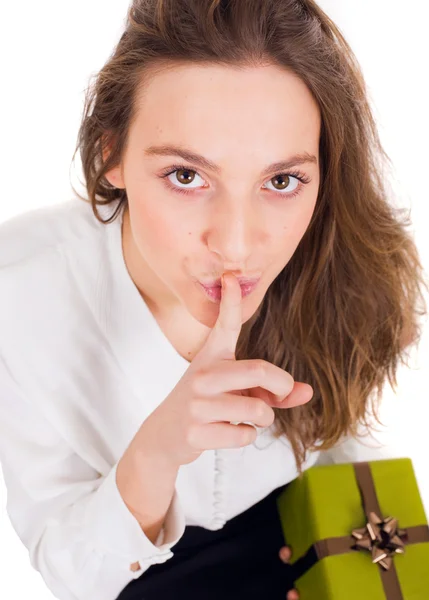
(183, 175)
(282, 181)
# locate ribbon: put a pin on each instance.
(380, 537)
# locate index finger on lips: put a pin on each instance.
(222, 341)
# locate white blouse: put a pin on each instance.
(83, 362)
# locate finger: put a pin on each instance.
(232, 409)
(300, 394)
(292, 595)
(219, 435)
(285, 553)
(222, 340)
(252, 377)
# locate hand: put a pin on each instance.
(216, 392)
(285, 553)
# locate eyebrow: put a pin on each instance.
(188, 155)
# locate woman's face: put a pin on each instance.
(239, 215)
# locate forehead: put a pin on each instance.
(209, 107)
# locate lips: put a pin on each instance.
(215, 292)
(242, 281)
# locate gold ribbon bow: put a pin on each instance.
(382, 538)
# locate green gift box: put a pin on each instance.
(357, 530)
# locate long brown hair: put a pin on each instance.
(345, 306)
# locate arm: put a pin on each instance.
(81, 536)
(151, 508)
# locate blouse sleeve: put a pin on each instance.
(79, 533)
(381, 443)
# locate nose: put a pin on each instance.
(234, 233)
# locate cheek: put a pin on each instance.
(293, 230)
(160, 234)
(297, 224)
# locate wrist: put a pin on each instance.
(142, 452)
(146, 482)
(147, 444)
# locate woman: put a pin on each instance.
(150, 416)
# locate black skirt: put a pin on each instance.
(239, 561)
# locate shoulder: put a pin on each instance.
(34, 247)
(34, 232)
(48, 276)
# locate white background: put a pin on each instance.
(48, 51)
